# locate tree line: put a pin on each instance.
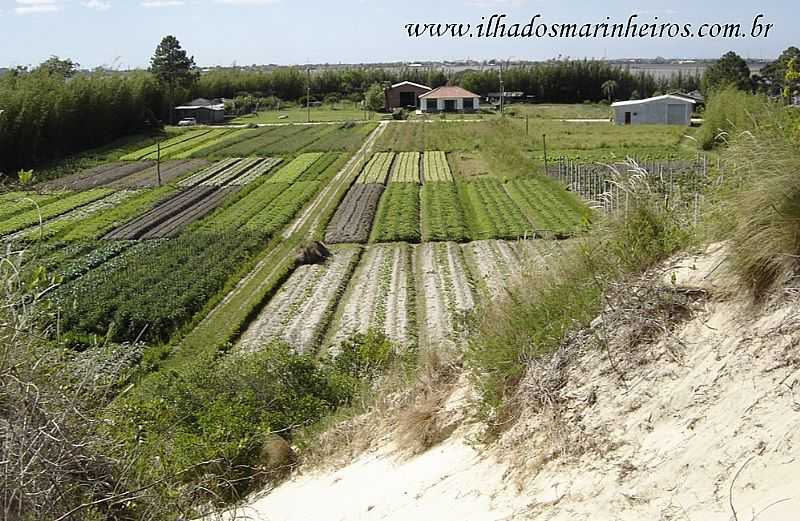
(54, 110)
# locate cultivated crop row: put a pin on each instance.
(231, 173)
(211, 146)
(165, 145)
(96, 176)
(380, 297)
(444, 291)
(209, 172)
(99, 224)
(73, 260)
(406, 168)
(279, 212)
(353, 218)
(185, 148)
(491, 213)
(168, 218)
(435, 166)
(548, 205)
(153, 288)
(170, 171)
(53, 208)
(377, 169)
(293, 170)
(59, 225)
(301, 310)
(257, 171)
(321, 168)
(14, 203)
(237, 214)
(258, 141)
(398, 214)
(443, 218)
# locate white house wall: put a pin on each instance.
(651, 113)
(426, 104)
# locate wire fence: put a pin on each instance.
(599, 184)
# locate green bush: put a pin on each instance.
(729, 112)
(217, 418)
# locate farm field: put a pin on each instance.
(379, 297)
(442, 216)
(217, 244)
(397, 217)
(300, 311)
(377, 169)
(406, 168)
(342, 111)
(167, 146)
(48, 209)
(353, 218)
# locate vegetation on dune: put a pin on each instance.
(397, 218)
(729, 112)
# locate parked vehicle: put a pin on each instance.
(187, 122)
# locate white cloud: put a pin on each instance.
(162, 3)
(99, 5)
(37, 6)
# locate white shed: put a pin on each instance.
(664, 110)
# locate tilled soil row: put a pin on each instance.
(97, 176)
(301, 309)
(379, 297)
(170, 171)
(188, 205)
(353, 219)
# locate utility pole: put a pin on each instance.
(158, 162)
(502, 90)
(544, 147)
(308, 94)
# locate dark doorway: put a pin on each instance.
(449, 105)
(408, 99)
(627, 118)
(469, 104)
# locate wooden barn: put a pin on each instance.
(404, 95)
(663, 110)
(450, 99)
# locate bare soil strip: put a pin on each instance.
(165, 219)
(379, 297)
(170, 172)
(97, 176)
(352, 221)
(302, 308)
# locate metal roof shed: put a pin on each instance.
(660, 110)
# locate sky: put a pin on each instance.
(124, 33)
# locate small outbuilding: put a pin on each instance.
(450, 99)
(404, 95)
(203, 110)
(664, 110)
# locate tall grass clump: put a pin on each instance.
(728, 112)
(539, 312)
(759, 204)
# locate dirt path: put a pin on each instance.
(350, 170)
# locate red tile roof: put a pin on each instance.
(449, 92)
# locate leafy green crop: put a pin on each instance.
(436, 167)
(406, 168)
(443, 217)
(397, 218)
(292, 171)
(548, 205)
(491, 213)
(377, 170)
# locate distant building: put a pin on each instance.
(694, 95)
(404, 94)
(450, 99)
(665, 110)
(508, 96)
(203, 110)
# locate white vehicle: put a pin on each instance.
(187, 122)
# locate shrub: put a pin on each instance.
(729, 111)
